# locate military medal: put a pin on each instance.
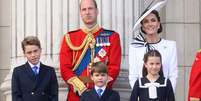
(103, 40)
(102, 53)
(97, 42)
(108, 41)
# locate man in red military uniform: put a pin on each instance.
(195, 80)
(82, 47)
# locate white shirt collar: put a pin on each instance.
(38, 64)
(103, 88)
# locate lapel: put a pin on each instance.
(94, 94)
(41, 75)
(31, 75)
(29, 72)
(37, 79)
(105, 95)
(42, 72)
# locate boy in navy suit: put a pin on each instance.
(99, 75)
(34, 81)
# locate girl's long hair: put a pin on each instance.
(152, 53)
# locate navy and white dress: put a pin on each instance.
(168, 52)
(160, 90)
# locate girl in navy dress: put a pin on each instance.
(153, 86)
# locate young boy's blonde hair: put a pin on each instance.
(99, 67)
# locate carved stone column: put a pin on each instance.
(38, 18)
(51, 19)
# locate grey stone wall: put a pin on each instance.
(52, 18)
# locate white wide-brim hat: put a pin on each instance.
(157, 7)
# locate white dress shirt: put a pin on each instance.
(103, 88)
(38, 65)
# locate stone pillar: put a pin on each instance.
(5, 34)
(182, 24)
(40, 18)
(51, 19)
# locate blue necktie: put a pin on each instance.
(99, 91)
(35, 68)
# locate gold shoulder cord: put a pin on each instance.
(89, 41)
(74, 47)
(194, 99)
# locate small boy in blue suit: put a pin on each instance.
(99, 75)
(34, 81)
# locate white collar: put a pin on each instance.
(103, 88)
(152, 87)
(38, 64)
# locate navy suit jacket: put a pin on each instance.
(29, 87)
(108, 95)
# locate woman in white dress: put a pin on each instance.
(150, 39)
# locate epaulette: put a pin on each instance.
(109, 30)
(106, 32)
(74, 31)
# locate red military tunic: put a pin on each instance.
(68, 57)
(195, 79)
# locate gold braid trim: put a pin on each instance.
(68, 41)
(78, 85)
(92, 30)
(92, 46)
(88, 41)
(194, 99)
(86, 30)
